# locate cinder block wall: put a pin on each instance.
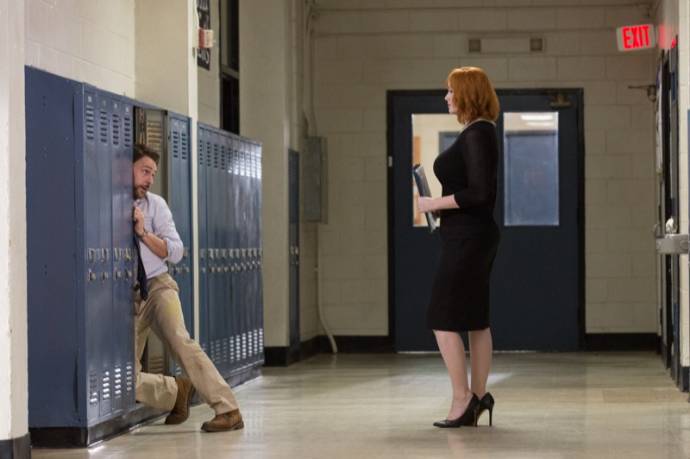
(91, 41)
(364, 48)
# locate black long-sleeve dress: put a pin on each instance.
(469, 235)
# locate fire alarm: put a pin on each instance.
(205, 38)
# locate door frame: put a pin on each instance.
(578, 94)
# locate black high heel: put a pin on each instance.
(486, 403)
(468, 418)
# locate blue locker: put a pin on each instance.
(230, 306)
(245, 306)
(202, 173)
(122, 378)
(180, 201)
(79, 360)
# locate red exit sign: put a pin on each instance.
(635, 37)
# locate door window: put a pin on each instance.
(530, 146)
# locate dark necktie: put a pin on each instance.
(141, 273)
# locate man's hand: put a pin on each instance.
(138, 217)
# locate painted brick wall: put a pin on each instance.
(364, 48)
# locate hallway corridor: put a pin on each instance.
(382, 406)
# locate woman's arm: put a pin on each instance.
(436, 204)
(479, 154)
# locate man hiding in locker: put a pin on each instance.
(157, 306)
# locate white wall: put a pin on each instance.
(265, 116)
(13, 301)
(86, 40)
(162, 57)
(365, 48)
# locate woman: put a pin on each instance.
(469, 239)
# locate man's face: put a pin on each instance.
(143, 173)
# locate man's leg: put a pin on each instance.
(168, 323)
(154, 390)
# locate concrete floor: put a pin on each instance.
(382, 406)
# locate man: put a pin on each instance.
(157, 306)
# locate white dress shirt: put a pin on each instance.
(159, 221)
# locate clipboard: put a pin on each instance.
(423, 188)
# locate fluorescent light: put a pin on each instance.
(537, 116)
(550, 124)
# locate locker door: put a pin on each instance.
(215, 314)
(257, 287)
(236, 199)
(202, 176)
(256, 294)
(98, 227)
(245, 204)
(56, 257)
(122, 250)
(225, 274)
(233, 200)
(180, 205)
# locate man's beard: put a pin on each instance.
(139, 192)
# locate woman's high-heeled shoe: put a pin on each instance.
(468, 418)
(486, 403)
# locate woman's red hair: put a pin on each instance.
(473, 94)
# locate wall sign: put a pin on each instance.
(203, 56)
(634, 37)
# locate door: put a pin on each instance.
(538, 278)
(293, 198)
(668, 211)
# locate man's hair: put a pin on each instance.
(141, 150)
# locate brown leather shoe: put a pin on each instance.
(224, 422)
(185, 392)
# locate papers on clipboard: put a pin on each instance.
(423, 189)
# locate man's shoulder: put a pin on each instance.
(155, 200)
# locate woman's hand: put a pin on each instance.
(426, 204)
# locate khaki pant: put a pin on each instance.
(162, 312)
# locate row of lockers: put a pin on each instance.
(229, 171)
(81, 254)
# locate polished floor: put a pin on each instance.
(610, 405)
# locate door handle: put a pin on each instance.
(673, 244)
(671, 226)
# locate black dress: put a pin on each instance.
(469, 235)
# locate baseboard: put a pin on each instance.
(16, 448)
(684, 383)
(359, 344)
(282, 356)
(80, 437)
(621, 342)
(278, 356)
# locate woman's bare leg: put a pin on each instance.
(481, 350)
(453, 351)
